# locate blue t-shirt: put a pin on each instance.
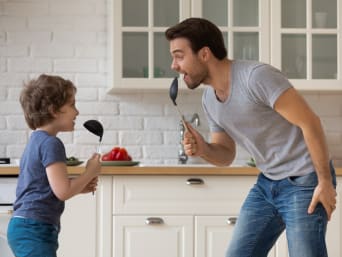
(248, 116)
(34, 196)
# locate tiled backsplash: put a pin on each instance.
(68, 38)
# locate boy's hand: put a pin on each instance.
(91, 186)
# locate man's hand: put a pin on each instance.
(193, 142)
(324, 193)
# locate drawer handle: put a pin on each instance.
(231, 220)
(195, 181)
(154, 221)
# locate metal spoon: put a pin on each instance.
(96, 128)
(173, 95)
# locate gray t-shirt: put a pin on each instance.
(248, 116)
(35, 198)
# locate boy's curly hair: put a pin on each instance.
(42, 97)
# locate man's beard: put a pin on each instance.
(195, 84)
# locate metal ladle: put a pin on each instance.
(96, 128)
(173, 95)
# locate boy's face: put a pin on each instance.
(65, 117)
(188, 63)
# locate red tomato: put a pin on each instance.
(122, 155)
(129, 158)
(113, 153)
(106, 157)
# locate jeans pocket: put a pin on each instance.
(309, 180)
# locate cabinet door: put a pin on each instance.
(334, 233)
(141, 236)
(78, 227)
(139, 52)
(244, 24)
(214, 232)
(306, 42)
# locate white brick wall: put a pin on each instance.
(68, 38)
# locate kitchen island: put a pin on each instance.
(185, 211)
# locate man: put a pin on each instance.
(253, 104)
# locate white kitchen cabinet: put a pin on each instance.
(78, 227)
(139, 56)
(301, 38)
(186, 207)
(139, 236)
(151, 215)
(206, 207)
(306, 42)
(213, 234)
(334, 233)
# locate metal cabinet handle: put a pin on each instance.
(195, 181)
(231, 220)
(154, 221)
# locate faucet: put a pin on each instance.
(182, 157)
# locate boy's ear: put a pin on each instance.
(52, 111)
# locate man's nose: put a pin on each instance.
(174, 66)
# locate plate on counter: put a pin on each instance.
(119, 163)
(74, 163)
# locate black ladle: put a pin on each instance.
(173, 95)
(96, 128)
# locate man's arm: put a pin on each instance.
(294, 108)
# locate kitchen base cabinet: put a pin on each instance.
(211, 203)
(214, 232)
(212, 235)
(197, 222)
(334, 235)
(140, 236)
(78, 227)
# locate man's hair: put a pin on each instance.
(42, 97)
(200, 33)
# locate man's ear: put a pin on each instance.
(204, 53)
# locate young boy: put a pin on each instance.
(43, 184)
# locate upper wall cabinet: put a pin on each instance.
(140, 56)
(300, 37)
(306, 42)
(244, 24)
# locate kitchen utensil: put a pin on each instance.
(96, 128)
(173, 95)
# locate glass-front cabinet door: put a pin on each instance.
(306, 42)
(140, 56)
(303, 38)
(244, 24)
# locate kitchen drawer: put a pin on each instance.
(180, 194)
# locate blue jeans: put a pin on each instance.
(273, 205)
(32, 238)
